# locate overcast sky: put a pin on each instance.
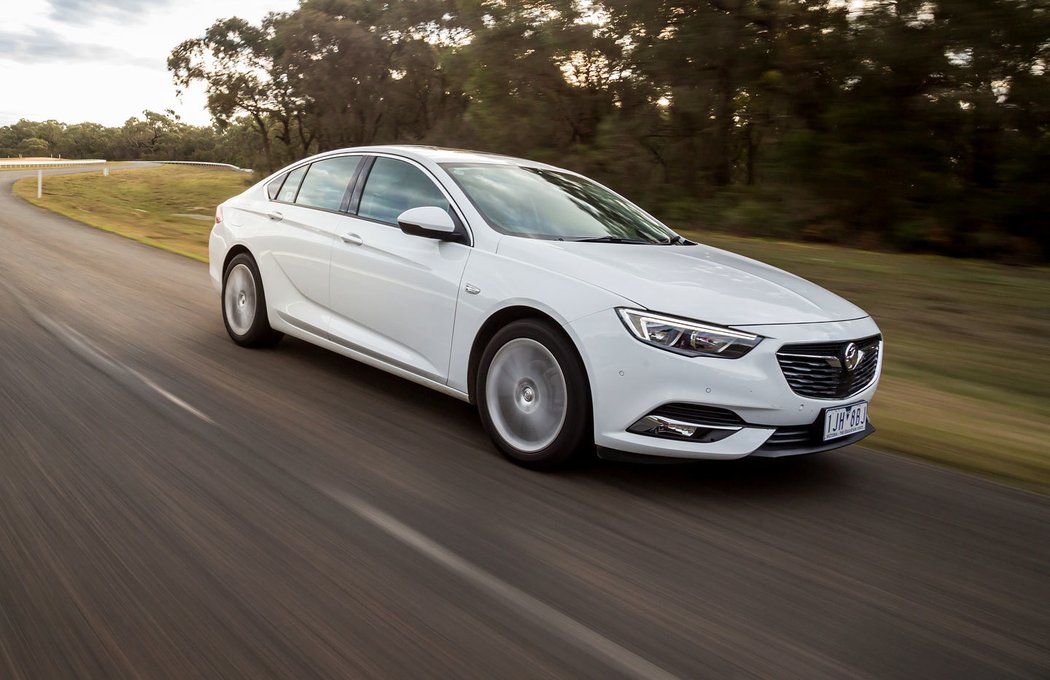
(104, 61)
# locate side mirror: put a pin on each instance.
(428, 222)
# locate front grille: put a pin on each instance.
(815, 370)
(700, 415)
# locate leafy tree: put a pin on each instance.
(34, 146)
(238, 64)
(918, 124)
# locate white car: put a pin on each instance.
(571, 317)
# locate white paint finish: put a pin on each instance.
(694, 282)
(506, 282)
(396, 301)
(629, 379)
(293, 254)
(396, 294)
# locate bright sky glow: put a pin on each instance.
(104, 61)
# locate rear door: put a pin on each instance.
(301, 222)
(394, 296)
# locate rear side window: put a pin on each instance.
(395, 186)
(274, 187)
(326, 182)
(291, 185)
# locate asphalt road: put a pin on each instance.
(172, 506)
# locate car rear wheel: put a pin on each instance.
(244, 304)
(533, 396)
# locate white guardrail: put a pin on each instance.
(63, 162)
(40, 164)
(46, 162)
(214, 165)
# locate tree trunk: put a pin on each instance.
(722, 170)
(264, 136)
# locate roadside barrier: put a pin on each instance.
(214, 165)
(47, 163)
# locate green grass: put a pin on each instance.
(170, 207)
(967, 373)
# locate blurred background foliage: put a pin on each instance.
(907, 124)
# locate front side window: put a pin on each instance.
(393, 187)
(326, 181)
(291, 185)
(539, 203)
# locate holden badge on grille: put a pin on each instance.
(851, 356)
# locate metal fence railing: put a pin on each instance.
(215, 165)
(64, 162)
(46, 162)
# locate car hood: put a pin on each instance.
(695, 281)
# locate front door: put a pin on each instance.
(393, 296)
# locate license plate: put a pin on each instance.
(845, 420)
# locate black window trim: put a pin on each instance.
(464, 231)
(356, 187)
(359, 185)
(286, 173)
(280, 180)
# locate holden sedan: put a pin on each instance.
(573, 319)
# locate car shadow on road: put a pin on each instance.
(772, 479)
(753, 478)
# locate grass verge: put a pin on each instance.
(967, 343)
(169, 207)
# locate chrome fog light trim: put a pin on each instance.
(659, 426)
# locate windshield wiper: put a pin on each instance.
(607, 239)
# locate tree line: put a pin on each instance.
(915, 124)
(154, 136)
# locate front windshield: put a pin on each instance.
(538, 203)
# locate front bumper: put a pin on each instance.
(630, 380)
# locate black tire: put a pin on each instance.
(575, 437)
(258, 333)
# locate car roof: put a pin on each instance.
(437, 154)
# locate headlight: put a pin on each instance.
(691, 338)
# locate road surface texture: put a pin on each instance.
(173, 506)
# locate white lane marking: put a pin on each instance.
(169, 396)
(79, 344)
(539, 612)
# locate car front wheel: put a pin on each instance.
(244, 304)
(533, 396)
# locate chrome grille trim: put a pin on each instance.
(815, 370)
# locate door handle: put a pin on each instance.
(275, 216)
(352, 239)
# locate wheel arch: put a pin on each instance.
(233, 252)
(498, 320)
